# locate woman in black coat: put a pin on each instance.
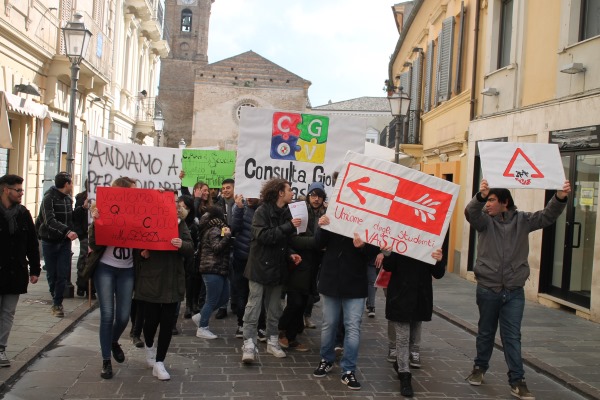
(409, 301)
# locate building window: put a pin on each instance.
(590, 19)
(239, 109)
(506, 18)
(186, 21)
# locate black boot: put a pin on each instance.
(188, 312)
(106, 370)
(406, 389)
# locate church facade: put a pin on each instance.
(200, 101)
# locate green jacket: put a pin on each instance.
(160, 278)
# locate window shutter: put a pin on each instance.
(428, 75)
(459, 45)
(405, 82)
(445, 60)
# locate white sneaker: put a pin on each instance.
(150, 356)
(160, 372)
(248, 351)
(274, 348)
(196, 319)
(205, 333)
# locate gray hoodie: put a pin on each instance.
(503, 241)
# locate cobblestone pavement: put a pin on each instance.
(212, 369)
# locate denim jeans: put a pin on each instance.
(272, 301)
(352, 315)
(506, 308)
(217, 295)
(114, 288)
(8, 306)
(371, 276)
(57, 260)
(408, 340)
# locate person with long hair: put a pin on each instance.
(215, 244)
(160, 284)
(113, 279)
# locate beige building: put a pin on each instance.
(117, 83)
(511, 70)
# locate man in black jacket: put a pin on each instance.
(267, 267)
(57, 232)
(20, 248)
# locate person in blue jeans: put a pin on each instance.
(343, 287)
(501, 270)
(113, 279)
(215, 245)
(56, 230)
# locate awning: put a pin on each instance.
(17, 104)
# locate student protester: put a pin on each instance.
(193, 279)
(215, 242)
(298, 286)
(501, 270)
(409, 301)
(81, 223)
(343, 287)
(20, 262)
(56, 230)
(226, 202)
(111, 268)
(160, 284)
(243, 213)
(267, 267)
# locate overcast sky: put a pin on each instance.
(342, 46)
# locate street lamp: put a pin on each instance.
(77, 38)
(399, 102)
(182, 144)
(159, 124)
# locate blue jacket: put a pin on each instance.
(242, 230)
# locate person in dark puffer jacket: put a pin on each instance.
(214, 266)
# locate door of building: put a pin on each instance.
(568, 247)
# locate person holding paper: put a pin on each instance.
(298, 285)
(267, 267)
(501, 270)
(409, 301)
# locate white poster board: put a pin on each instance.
(151, 167)
(389, 204)
(300, 147)
(522, 165)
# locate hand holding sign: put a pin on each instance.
(136, 218)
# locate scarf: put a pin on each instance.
(10, 215)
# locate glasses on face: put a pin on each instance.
(17, 190)
(313, 195)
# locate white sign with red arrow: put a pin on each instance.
(391, 205)
(522, 165)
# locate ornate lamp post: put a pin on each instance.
(77, 38)
(159, 124)
(399, 103)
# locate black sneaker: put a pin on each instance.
(323, 368)
(520, 391)
(117, 352)
(137, 342)
(349, 380)
(239, 332)
(222, 313)
(261, 335)
(107, 372)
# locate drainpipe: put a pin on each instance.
(474, 68)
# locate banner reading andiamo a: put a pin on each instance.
(151, 167)
(391, 205)
(522, 165)
(302, 148)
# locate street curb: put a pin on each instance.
(28, 356)
(569, 381)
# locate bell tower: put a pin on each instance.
(186, 25)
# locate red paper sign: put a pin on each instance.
(136, 218)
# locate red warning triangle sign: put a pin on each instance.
(519, 152)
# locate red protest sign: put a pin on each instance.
(136, 218)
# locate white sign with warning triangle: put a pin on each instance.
(521, 165)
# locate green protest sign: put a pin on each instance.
(210, 166)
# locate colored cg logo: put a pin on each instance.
(299, 137)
